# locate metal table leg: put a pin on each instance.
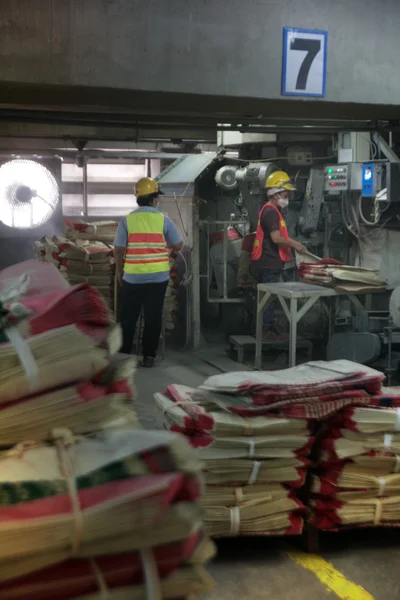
(293, 332)
(262, 299)
(259, 323)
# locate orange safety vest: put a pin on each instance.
(284, 253)
(146, 251)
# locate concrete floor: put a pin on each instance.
(357, 565)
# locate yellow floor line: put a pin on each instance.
(329, 576)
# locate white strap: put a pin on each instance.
(378, 511)
(397, 424)
(252, 445)
(396, 467)
(150, 570)
(387, 441)
(382, 486)
(25, 356)
(100, 580)
(235, 519)
(254, 472)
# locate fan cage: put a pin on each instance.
(35, 207)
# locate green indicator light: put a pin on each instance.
(330, 170)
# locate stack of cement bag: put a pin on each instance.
(344, 278)
(96, 231)
(358, 478)
(254, 432)
(90, 506)
(80, 261)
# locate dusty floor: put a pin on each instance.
(361, 565)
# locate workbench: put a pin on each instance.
(289, 295)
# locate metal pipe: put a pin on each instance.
(389, 331)
(208, 262)
(195, 262)
(225, 260)
(85, 189)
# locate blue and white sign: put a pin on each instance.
(304, 62)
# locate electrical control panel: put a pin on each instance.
(342, 178)
(336, 179)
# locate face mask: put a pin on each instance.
(283, 202)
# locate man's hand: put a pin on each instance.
(300, 248)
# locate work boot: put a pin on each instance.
(148, 362)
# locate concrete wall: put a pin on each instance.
(208, 47)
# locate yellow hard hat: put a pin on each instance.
(279, 180)
(146, 186)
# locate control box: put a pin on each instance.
(380, 175)
(373, 179)
(342, 178)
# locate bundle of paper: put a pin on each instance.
(52, 334)
(314, 390)
(243, 472)
(85, 497)
(83, 408)
(256, 429)
(344, 278)
(169, 571)
(358, 480)
(116, 511)
(252, 466)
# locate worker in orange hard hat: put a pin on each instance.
(272, 245)
(142, 267)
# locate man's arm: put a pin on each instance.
(119, 262)
(172, 237)
(120, 242)
(289, 243)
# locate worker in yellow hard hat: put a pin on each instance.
(272, 245)
(142, 268)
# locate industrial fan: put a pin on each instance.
(30, 206)
(29, 194)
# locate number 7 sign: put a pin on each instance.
(304, 62)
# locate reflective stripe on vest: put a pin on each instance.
(146, 250)
(284, 253)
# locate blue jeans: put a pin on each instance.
(269, 276)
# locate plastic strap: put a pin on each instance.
(25, 356)
(396, 467)
(101, 582)
(61, 437)
(235, 519)
(397, 424)
(254, 472)
(239, 497)
(252, 446)
(387, 441)
(248, 428)
(378, 512)
(150, 572)
(382, 486)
